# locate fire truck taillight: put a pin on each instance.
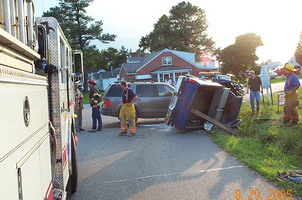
(107, 103)
(192, 81)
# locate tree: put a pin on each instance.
(79, 28)
(97, 61)
(122, 56)
(105, 58)
(298, 52)
(115, 57)
(240, 56)
(184, 29)
(140, 53)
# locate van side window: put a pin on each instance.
(146, 91)
(164, 91)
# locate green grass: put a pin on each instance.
(266, 146)
(278, 79)
(86, 97)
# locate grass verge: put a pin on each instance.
(86, 97)
(266, 146)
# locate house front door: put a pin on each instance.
(166, 77)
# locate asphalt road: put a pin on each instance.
(160, 162)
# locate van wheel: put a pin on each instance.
(73, 179)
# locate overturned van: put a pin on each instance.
(212, 100)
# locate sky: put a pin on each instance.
(277, 22)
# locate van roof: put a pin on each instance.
(209, 72)
(137, 82)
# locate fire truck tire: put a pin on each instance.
(73, 179)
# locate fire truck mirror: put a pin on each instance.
(77, 77)
(42, 41)
(78, 63)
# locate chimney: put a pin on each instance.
(198, 57)
(134, 54)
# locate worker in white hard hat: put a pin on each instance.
(292, 83)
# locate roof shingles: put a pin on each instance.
(133, 67)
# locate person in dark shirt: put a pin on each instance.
(127, 112)
(254, 85)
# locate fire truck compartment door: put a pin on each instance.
(34, 175)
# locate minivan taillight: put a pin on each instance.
(107, 103)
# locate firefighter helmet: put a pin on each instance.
(91, 81)
(290, 67)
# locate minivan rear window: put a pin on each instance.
(115, 91)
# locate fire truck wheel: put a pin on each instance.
(73, 179)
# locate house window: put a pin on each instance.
(167, 60)
(155, 78)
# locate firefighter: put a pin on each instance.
(78, 107)
(95, 102)
(291, 96)
(127, 112)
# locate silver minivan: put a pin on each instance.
(153, 99)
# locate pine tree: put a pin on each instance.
(79, 28)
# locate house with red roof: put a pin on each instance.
(161, 66)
